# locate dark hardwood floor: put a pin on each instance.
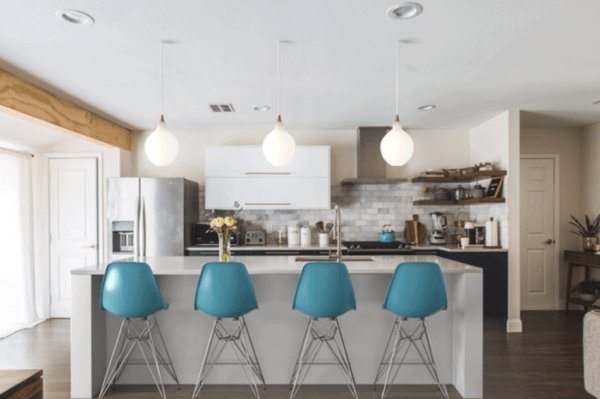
(544, 362)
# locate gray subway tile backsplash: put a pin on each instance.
(365, 209)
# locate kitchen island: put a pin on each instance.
(277, 330)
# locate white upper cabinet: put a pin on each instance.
(240, 176)
(239, 161)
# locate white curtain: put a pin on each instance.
(17, 274)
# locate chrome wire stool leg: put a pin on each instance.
(420, 340)
(128, 339)
(311, 344)
(243, 348)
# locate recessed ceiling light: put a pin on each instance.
(405, 11)
(75, 17)
(596, 102)
(428, 107)
(262, 108)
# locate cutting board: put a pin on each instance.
(415, 232)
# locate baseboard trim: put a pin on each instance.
(514, 326)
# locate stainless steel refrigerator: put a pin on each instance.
(149, 216)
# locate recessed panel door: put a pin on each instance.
(537, 234)
(73, 206)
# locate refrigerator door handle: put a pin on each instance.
(143, 219)
(138, 252)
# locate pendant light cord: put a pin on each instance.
(397, 74)
(162, 102)
(278, 79)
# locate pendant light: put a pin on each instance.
(279, 146)
(397, 146)
(161, 146)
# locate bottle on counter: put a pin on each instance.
(282, 237)
(305, 236)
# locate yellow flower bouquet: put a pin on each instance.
(224, 227)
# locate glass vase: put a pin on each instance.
(589, 244)
(224, 249)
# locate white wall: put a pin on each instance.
(433, 149)
(567, 143)
(497, 141)
(590, 184)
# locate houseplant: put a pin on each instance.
(224, 227)
(588, 232)
(588, 290)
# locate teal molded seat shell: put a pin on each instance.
(129, 290)
(324, 290)
(417, 290)
(225, 290)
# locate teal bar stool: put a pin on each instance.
(324, 291)
(129, 290)
(225, 292)
(417, 290)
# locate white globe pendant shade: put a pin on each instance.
(279, 146)
(161, 146)
(397, 146)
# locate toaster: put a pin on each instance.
(255, 237)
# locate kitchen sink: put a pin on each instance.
(334, 259)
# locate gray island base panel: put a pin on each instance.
(277, 330)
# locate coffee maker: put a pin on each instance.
(438, 235)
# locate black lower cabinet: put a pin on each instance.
(495, 278)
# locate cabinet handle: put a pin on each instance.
(267, 203)
(286, 253)
(267, 173)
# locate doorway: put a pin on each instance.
(539, 232)
(73, 224)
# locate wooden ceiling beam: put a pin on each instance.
(27, 101)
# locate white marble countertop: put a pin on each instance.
(192, 265)
(455, 248)
(312, 247)
(424, 247)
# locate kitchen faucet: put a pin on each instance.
(338, 232)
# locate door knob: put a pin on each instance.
(549, 241)
(93, 246)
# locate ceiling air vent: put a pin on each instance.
(222, 107)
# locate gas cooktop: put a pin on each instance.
(375, 245)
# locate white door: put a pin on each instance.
(537, 234)
(73, 204)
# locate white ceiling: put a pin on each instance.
(473, 59)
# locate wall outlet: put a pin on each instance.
(269, 228)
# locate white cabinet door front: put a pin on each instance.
(267, 193)
(249, 161)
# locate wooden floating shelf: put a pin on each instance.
(453, 179)
(470, 201)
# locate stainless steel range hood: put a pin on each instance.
(371, 167)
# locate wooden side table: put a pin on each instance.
(583, 259)
(21, 384)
